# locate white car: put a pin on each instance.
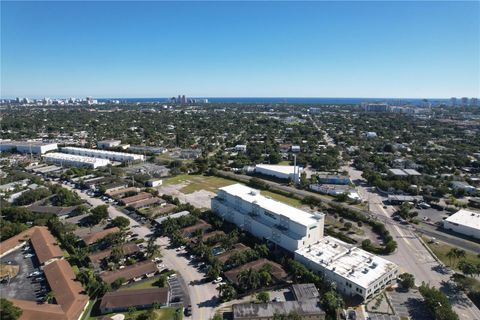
(34, 273)
(172, 276)
(28, 255)
(218, 280)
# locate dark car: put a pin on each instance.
(188, 311)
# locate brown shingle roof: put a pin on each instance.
(200, 225)
(59, 211)
(61, 280)
(238, 247)
(277, 271)
(133, 298)
(136, 270)
(209, 235)
(146, 202)
(45, 245)
(127, 248)
(90, 238)
(141, 196)
(122, 191)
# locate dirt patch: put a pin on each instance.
(8, 270)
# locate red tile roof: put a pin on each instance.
(90, 238)
(45, 245)
(136, 270)
(133, 298)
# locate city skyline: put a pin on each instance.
(202, 49)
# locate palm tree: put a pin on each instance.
(249, 279)
(451, 255)
(153, 249)
(50, 297)
(460, 254)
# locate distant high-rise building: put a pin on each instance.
(377, 107)
(453, 102)
(474, 102)
(464, 101)
(184, 99)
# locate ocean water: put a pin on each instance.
(290, 100)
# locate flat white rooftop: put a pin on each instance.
(71, 157)
(106, 152)
(281, 169)
(348, 261)
(35, 143)
(467, 218)
(253, 196)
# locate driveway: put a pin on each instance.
(202, 294)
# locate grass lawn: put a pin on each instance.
(290, 201)
(168, 314)
(198, 182)
(88, 309)
(284, 163)
(441, 250)
(147, 284)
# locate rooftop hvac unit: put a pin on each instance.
(335, 245)
(319, 254)
(253, 193)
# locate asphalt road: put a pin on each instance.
(411, 254)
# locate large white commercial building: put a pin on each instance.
(355, 271)
(281, 172)
(75, 160)
(34, 147)
(268, 219)
(105, 144)
(465, 222)
(103, 154)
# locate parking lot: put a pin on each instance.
(431, 215)
(409, 305)
(177, 294)
(22, 286)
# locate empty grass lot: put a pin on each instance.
(198, 182)
(211, 183)
(441, 249)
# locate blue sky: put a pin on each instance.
(234, 49)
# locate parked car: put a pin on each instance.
(188, 311)
(28, 255)
(35, 273)
(218, 280)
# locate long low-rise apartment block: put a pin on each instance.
(268, 219)
(103, 154)
(71, 160)
(34, 147)
(355, 271)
